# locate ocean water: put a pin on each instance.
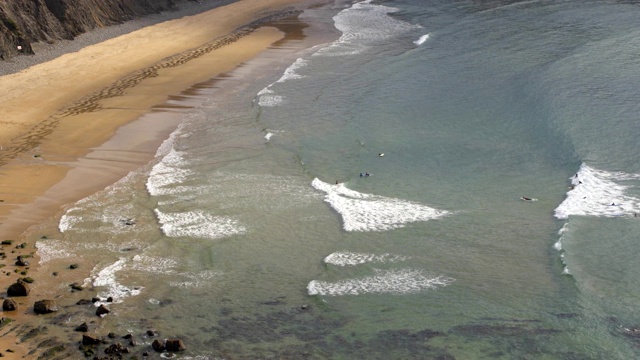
(359, 196)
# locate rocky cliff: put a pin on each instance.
(23, 22)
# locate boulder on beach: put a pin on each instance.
(90, 340)
(19, 288)
(45, 306)
(102, 310)
(9, 305)
(21, 261)
(174, 345)
(82, 327)
(158, 345)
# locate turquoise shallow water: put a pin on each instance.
(257, 237)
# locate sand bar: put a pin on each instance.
(58, 117)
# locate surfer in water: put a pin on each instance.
(526, 198)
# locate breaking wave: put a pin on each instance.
(366, 212)
(396, 282)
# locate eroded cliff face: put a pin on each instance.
(23, 22)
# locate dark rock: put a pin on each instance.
(128, 222)
(158, 345)
(9, 305)
(82, 327)
(83, 302)
(128, 336)
(75, 287)
(111, 335)
(132, 342)
(116, 348)
(633, 332)
(88, 350)
(45, 307)
(145, 354)
(102, 310)
(95, 299)
(73, 266)
(110, 299)
(90, 340)
(152, 333)
(174, 345)
(20, 288)
(21, 261)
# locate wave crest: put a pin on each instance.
(366, 212)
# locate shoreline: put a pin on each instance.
(86, 140)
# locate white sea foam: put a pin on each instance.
(196, 279)
(397, 282)
(266, 90)
(598, 193)
(154, 301)
(366, 212)
(558, 246)
(105, 209)
(167, 173)
(561, 232)
(198, 224)
(156, 265)
(565, 270)
(50, 249)
(291, 72)
(167, 145)
(101, 216)
(267, 97)
(268, 136)
(68, 221)
(270, 100)
(422, 39)
(345, 258)
(106, 279)
(362, 26)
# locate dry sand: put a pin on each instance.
(56, 114)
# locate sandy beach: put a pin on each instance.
(62, 132)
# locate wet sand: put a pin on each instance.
(76, 124)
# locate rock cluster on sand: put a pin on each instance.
(91, 345)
